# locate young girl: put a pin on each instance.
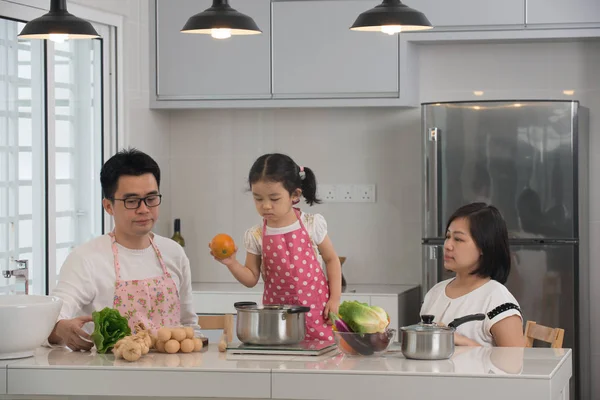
(476, 249)
(289, 245)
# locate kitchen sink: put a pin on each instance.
(27, 320)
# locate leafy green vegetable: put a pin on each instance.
(109, 327)
(362, 318)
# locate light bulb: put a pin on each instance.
(391, 29)
(220, 33)
(58, 37)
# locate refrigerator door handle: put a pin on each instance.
(430, 271)
(431, 223)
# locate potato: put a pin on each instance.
(163, 334)
(172, 346)
(153, 340)
(197, 344)
(187, 345)
(189, 332)
(160, 346)
(178, 334)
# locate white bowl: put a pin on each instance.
(26, 321)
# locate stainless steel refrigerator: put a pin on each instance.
(530, 160)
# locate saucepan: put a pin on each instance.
(270, 325)
(430, 341)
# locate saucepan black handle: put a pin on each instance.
(467, 318)
(244, 304)
(298, 310)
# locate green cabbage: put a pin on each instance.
(362, 318)
(109, 327)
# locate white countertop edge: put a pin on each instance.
(125, 368)
(407, 373)
(567, 356)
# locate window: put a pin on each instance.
(56, 121)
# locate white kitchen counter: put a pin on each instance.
(367, 289)
(472, 373)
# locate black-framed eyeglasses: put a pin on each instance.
(133, 203)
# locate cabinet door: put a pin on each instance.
(221, 303)
(363, 298)
(315, 54)
(444, 13)
(563, 12)
(193, 66)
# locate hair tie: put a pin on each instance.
(302, 173)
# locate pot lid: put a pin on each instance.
(427, 325)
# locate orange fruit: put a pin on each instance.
(222, 246)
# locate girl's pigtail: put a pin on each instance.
(309, 187)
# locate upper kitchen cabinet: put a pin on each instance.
(558, 12)
(471, 13)
(199, 67)
(316, 55)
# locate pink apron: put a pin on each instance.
(294, 277)
(152, 301)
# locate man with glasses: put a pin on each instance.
(146, 277)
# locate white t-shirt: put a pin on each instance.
(87, 277)
(315, 225)
(492, 299)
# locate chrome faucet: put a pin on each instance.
(21, 273)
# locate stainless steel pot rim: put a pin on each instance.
(272, 308)
(428, 330)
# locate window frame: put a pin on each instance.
(110, 28)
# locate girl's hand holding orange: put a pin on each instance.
(223, 248)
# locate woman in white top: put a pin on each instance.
(476, 249)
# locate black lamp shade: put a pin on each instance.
(391, 13)
(221, 16)
(58, 21)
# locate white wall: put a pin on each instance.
(212, 152)
(144, 129)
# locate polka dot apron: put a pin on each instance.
(294, 277)
(153, 301)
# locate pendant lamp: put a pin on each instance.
(58, 25)
(391, 17)
(221, 22)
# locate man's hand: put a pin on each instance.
(70, 333)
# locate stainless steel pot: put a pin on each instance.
(430, 341)
(270, 324)
(427, 340)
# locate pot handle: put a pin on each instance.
(243, 304)
(467, 318)
(298, 310)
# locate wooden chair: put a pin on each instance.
(224, 322)
(554, 336)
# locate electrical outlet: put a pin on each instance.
(364, 193)
(327, 193)
(345, 193)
